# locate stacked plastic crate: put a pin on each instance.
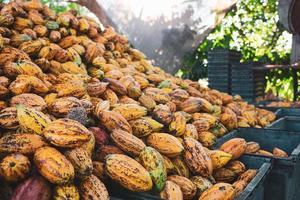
(248, 80)
(219, 68)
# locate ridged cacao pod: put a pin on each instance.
(187, 187)
(98, 170)
(60, 107)
(224, 175)
(29, 100)
(239, 186)
(127, 142)
(66, 133)
(168, 165)
(81, 162)
(32, 120)
(180, 167)
(207, 138)
(196, 157)
(14, 167)
(236, 166)
(165, 144)
(128, 172)
(154, 164)
(68, 191)
(113, 120)
(201, 184)
(162, 113)
(93, 189)
(100, 135)
(279, 153)
(219, 158)
(190, 131)
(252, 147)
(236, 147)
(8, 118)
(144, 126)
(53, 165)
(178, 124)
(248, 175)
(171, 192)
(219, 191)
(24, 143)
(130, 111)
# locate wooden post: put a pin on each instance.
(295, 56)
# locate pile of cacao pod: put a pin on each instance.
(284, 104)
(79, 107)
(238, 146)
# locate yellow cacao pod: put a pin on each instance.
(31, 120)
(67, 191)
(60, 107)
(191, 131)
(29, 100)
(24, 143)
(53, 165)
(128, 172)
(279, 153)
(196, 157)
(224, 175)
(127, 142)
(66, 133)
(147, 102)
(236, 147)
(168, 165)
(154, 164)
(180, 167)
(171, 192)
(207, 138)
(92, 188)
(236, 166)
(14, 167)
(130, 111)
(165, 144)
(219, 191)
(201, 184)
(81, 162)
(144, 126)
(8, 118)
(186, 186)
(178, 124)
(252, 147)
(219, 158)
(113, 120)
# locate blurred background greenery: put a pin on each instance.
(253, 29)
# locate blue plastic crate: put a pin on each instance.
(289, 123)
(218, 80)
(284, 180)
(256, 188)
(288, 112)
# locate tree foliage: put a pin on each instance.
(253, 29)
